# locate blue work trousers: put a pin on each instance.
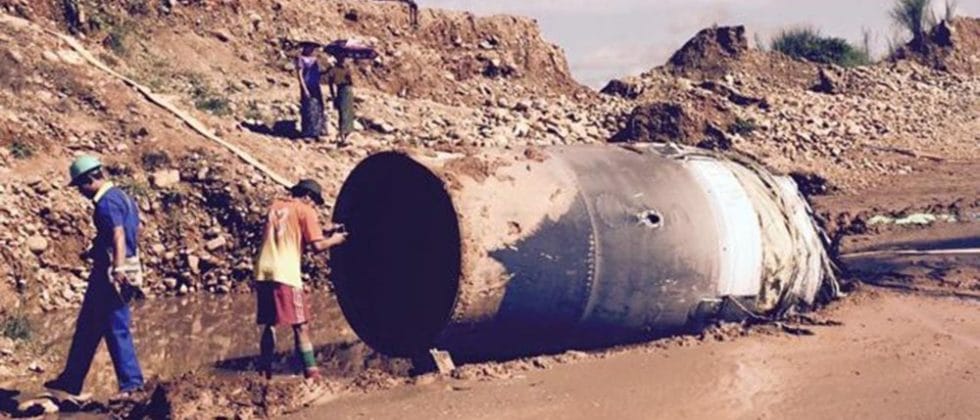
(103, 315)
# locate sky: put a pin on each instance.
(606, 39)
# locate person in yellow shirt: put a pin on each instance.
(292, 226)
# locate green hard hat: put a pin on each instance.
(81, 166)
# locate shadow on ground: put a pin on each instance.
(283, 129)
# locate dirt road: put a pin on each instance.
(895, 356)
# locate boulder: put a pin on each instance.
(709, 50)
(165, 178)
(622, 89)
(37, 244)
(669, 122)
(828, 82)
(216, 243)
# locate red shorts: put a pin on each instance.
(280, 304)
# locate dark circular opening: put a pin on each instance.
(398, 273)
(653, 219)
(650, 219)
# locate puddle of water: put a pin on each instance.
(177, 335)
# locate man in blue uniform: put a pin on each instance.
(116, 273)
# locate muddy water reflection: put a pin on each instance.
(177, 335)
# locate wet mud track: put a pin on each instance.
(896, 355)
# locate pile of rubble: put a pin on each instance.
(845, 123)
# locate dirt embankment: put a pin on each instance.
(447, 58)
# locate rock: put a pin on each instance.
(194, 263)
(423, 380)
(216, 243)
(622, 89)
(386, 128)
(521, 129)
(667, 122)
(828, 82)
(35, 367)
(50, 56)
(577, 131)
(183, 290)
(223, 35)
(170, 283)
(710, 47)
(158, 249)
(165, 178)
(37, 244)
(37, 407)
(71, 57)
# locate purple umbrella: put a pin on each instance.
(352, 48)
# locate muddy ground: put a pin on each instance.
(896, 355)
(904, 343)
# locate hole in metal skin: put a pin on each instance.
(650, 219)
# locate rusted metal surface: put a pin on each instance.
(572, 246)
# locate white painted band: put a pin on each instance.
(740, 247)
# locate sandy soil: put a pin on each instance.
(895, 355)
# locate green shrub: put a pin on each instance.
(204, 98)
(808, 44)
(743, 126)
(951, 6)
(137, 188)
(16, 327)
(215, 105)
(915, 16)
(154, 160)
(21, 150)
(117, 40)
(138, 7)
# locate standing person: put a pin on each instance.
(342, 90)
(291, 226)
(116, 272)
(311, 95)
(413, 11)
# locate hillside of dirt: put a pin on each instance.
(889, 140)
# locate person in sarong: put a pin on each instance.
(342, 90)
(312, 116)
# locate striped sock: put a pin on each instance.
(306, 354)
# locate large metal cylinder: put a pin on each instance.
(567, 246)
